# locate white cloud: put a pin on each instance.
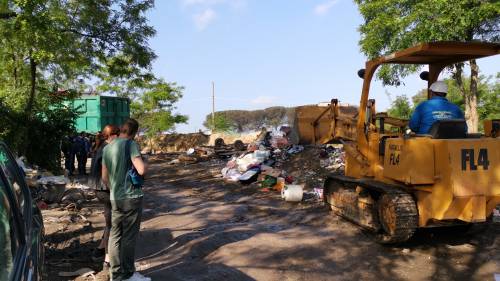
(204, 19)
(205, 11)
(201, 2)
(210, 3)
(324, 8)
(263, 100)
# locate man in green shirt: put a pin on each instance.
(126, 202)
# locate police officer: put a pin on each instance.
(435, 109)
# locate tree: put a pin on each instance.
(221, 123)
(400, 108)
(154, 108)
(489, 104)
(48, 45)
(249, 120)
(64, 40)
(391, 25)
(488, 99)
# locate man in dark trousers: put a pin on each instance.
(82, 153)
(77, 148)
(119, 157)
(66, 145)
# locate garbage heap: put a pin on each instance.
(205, 153)
(332, 158)
(261, 160)
(52, 191)
(267, 163)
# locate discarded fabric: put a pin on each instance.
(53, 180)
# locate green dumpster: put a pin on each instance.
(99, 111)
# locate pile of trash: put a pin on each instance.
(59, 191)
(49, 190)
(232, 137)
(205, 153)
(261, 164)
(273, 162)
(332, 158)
(172, 142)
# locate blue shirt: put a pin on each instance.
(430, 111)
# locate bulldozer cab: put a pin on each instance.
(320, 125)
(437, 55)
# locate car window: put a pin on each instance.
(9, 242)
(11, 170)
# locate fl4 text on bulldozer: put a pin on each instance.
(396, 181)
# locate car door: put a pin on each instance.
(22, 210)
(10, 233)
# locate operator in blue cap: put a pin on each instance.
(435, 109)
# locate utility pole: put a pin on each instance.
(213, 106)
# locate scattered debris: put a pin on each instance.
(173, 142)
(55, 180)
(83, 272)
(333, 158)
(53, 193)
(21, 161)
(496, 214)
(73, 195)
(266, 162)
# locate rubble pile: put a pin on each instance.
(172, 142)
(50, 191)
(333, 158)
(232, 137)
(273, 162)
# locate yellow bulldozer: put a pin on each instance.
(396, 181)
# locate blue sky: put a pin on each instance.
(263, 53)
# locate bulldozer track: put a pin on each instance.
(396, 211)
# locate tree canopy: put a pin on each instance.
(50, 47)
(488, 99)
(249, 120)
(392, 25)
(155, 105)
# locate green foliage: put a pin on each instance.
(155, 105)
(488, 98)
(44, 137)
(47, 45)
(489, 103)
(419, 97)
(41, 142)
(248, 120)
(392, 25)
(400, 108)
(221, 124)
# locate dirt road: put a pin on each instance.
(196, 227)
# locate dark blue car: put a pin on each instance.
(21, 224)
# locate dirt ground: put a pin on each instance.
(196, 227)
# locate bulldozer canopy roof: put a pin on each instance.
(441, 52)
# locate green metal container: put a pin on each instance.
(99, 111)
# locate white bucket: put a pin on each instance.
(292, 193)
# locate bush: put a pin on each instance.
(38, 137)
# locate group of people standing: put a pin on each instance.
(115, 156)
(78, 146)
